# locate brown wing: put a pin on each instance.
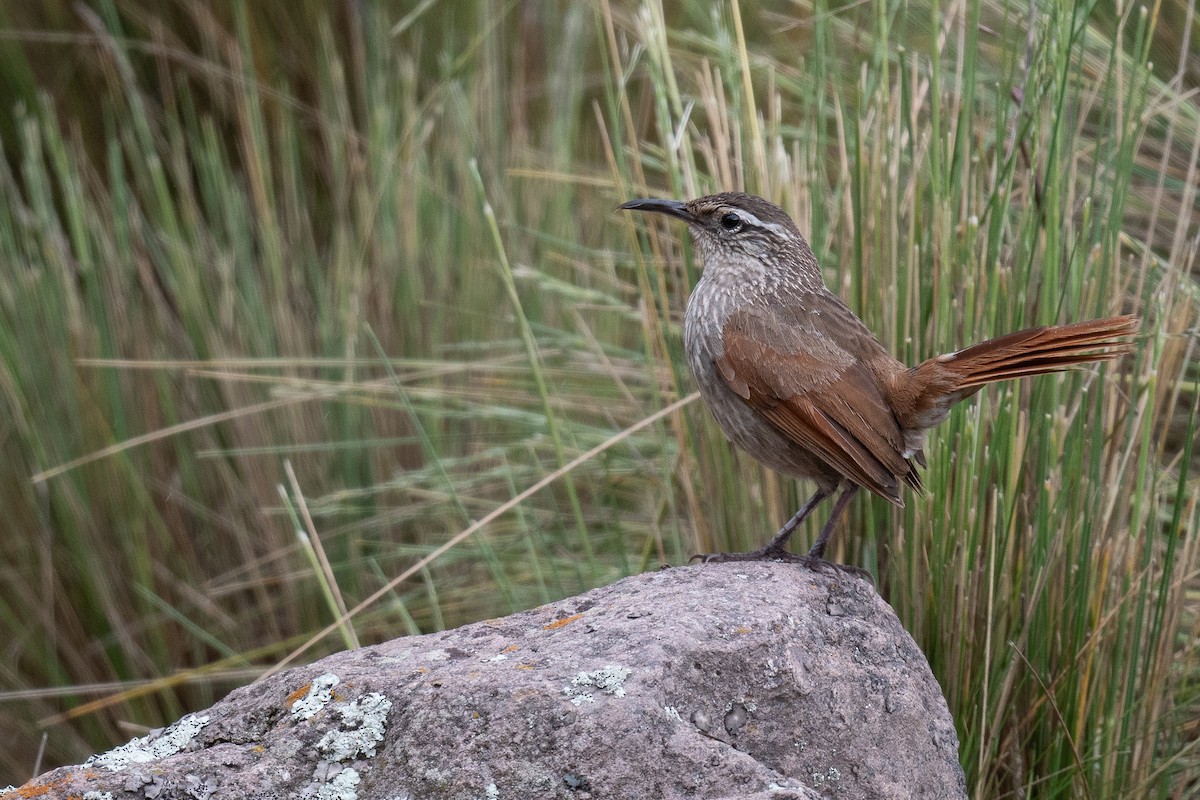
(819, 389)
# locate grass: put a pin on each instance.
(379, 296)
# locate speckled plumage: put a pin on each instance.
(795, 379)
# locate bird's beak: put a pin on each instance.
(672, 208)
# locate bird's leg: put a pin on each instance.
(777, 547)
(818, 549)
(778, 543)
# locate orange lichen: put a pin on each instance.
(37, 790)
(296, 695)
(558, 623)
(511, 648)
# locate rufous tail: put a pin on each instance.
(1036, 351)
(924, 395)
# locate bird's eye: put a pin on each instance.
(731, 222)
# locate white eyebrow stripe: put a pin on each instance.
(746, 215)
(753, 220)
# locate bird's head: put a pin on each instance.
(740, 235)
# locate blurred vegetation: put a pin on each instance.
(352, 269)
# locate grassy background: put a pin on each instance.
(353, 270)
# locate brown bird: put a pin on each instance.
(798, 381)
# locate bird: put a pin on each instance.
(794, 378)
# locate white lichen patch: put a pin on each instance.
(610, 680)
(320, 693)
(364, 721)
(152, 747)
(831, 775)
(93, 795)
(342, 786)
(493, 792)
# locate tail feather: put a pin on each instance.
(1037, 351)
(923, 396)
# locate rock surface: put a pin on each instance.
(739, 680)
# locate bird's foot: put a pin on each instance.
(815, 563)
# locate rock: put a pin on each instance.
(738, 680)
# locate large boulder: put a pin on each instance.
(728, 680)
